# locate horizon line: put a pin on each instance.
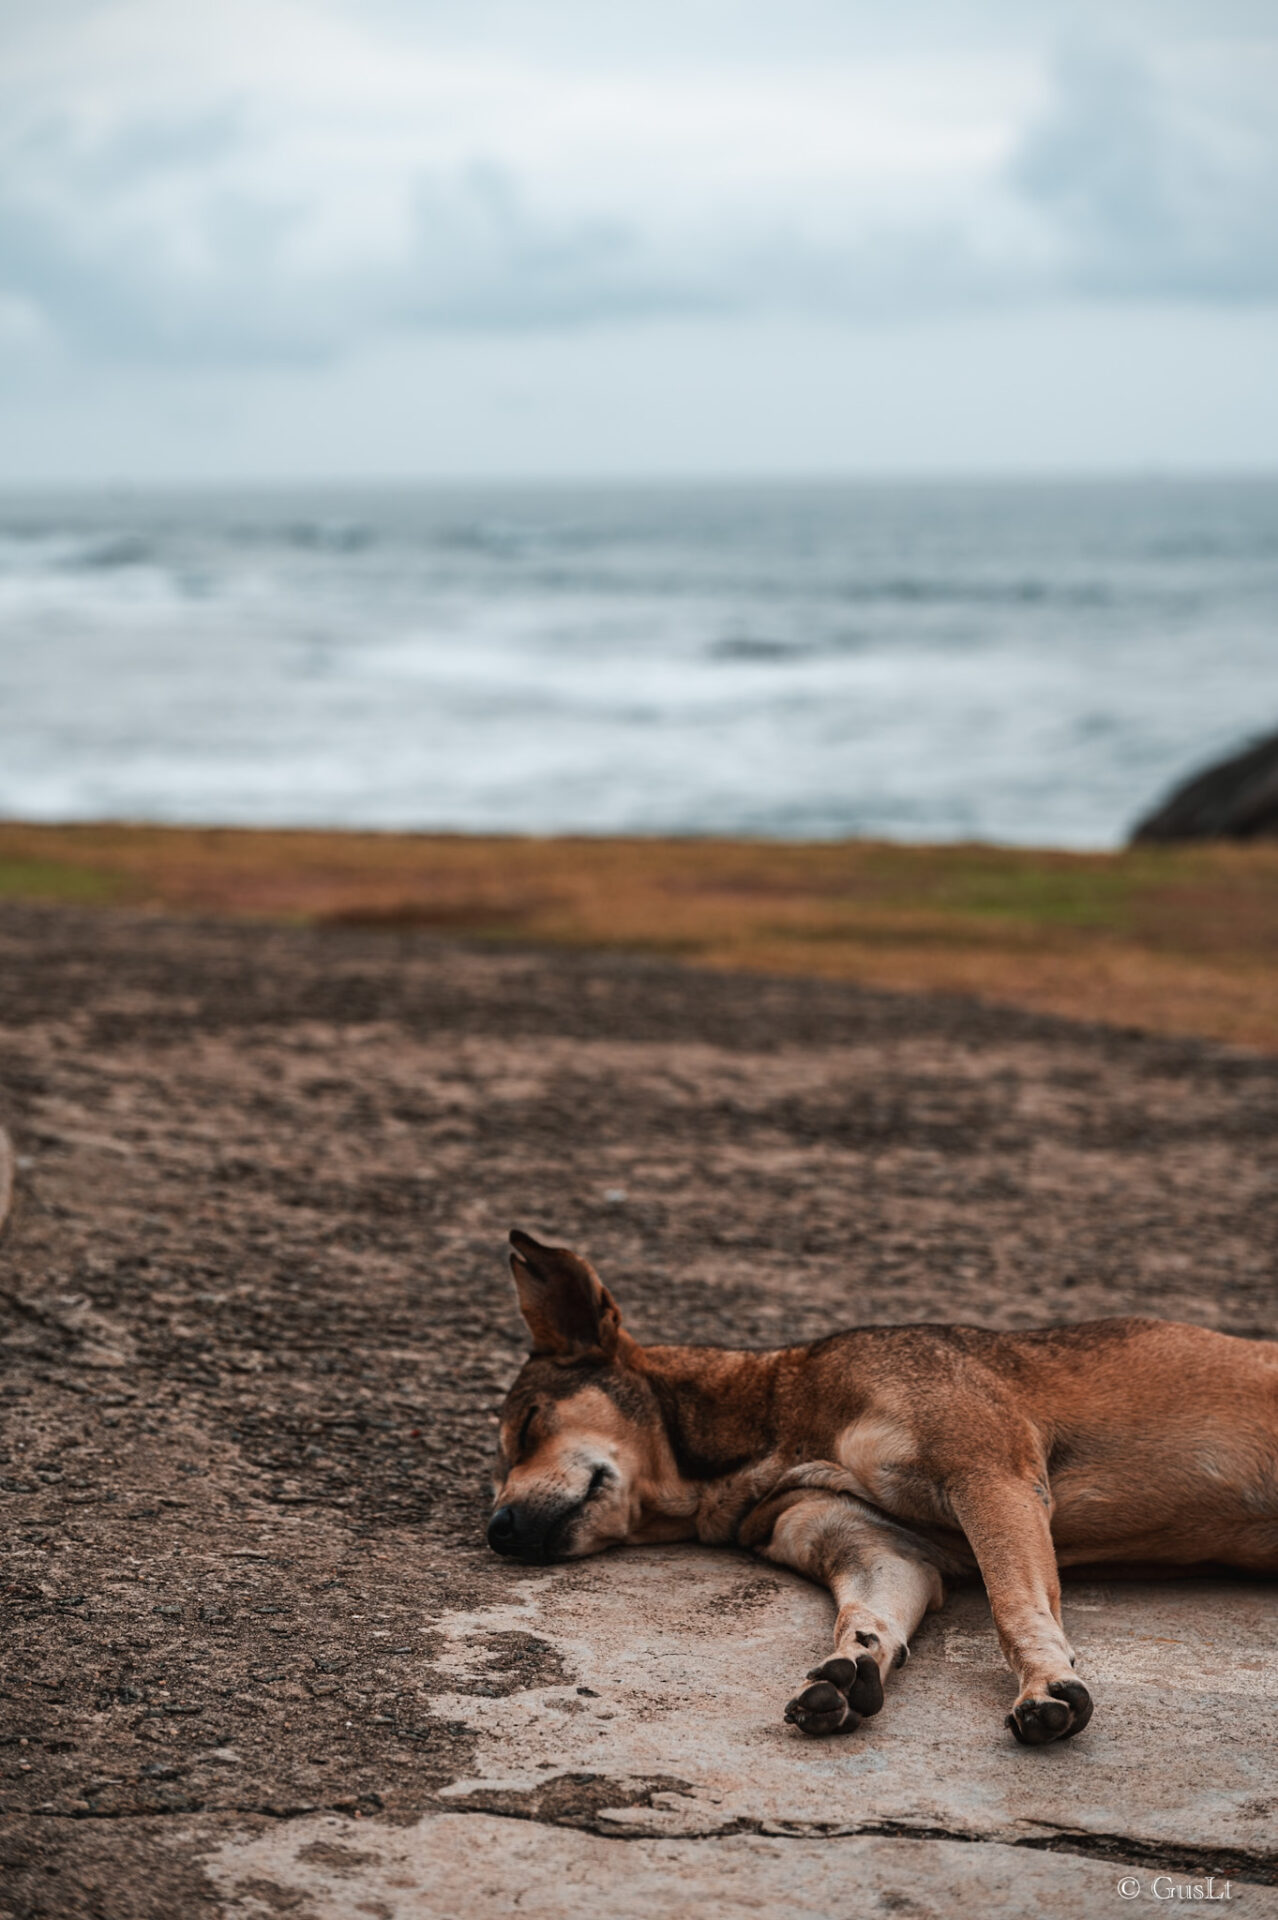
(1136, 474)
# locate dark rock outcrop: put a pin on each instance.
(1235, 799)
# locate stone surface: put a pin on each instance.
(479, 1868)
(688, 1656)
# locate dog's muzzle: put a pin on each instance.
(530, 1533)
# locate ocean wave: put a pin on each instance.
(311, 536)
(110, 555)
(1019, 663)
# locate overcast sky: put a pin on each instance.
(295, 238)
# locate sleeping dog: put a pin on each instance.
(886, 1460)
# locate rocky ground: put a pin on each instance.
(256, 1330)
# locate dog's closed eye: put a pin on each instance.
(525, 1431)
(600, 1478)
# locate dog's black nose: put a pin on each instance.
(504, 1531)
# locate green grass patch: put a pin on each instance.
(1009, 885)
(1042, 896)
(51, 880)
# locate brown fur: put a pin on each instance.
(884, 1460)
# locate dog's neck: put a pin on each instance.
(718, 1406)
(724, 1426)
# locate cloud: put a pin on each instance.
(1139, 195)
(135, 245)
(350, 185)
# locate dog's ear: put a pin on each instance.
(567, 1308)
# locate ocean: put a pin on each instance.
(1024, 663)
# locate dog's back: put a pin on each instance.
(1162, 1441)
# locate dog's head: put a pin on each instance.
(582, 1446)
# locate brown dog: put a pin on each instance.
(883, 1460)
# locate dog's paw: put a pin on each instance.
(1065, 1711)
(843, 1693)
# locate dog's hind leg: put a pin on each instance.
(1007, 1520)
(883, 1581)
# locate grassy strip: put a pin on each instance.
(1176, 939)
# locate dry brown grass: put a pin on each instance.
(1177, 939)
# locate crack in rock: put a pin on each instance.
(614, 1809)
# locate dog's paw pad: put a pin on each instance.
(843, 1693)
(821, 1709)
(859, 1679)
(840, 1674)
(1076, 1698)
(1065, 1711)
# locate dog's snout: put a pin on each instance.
(530, 1530)
(505, 1532)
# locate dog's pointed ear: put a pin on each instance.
(565, 1304)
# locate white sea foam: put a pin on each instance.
(1026, 664)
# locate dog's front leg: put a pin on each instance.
(882, 1586)
(1007, 1520)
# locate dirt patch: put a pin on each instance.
(514, 1662)
(256, 1324)
(575, 1799)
